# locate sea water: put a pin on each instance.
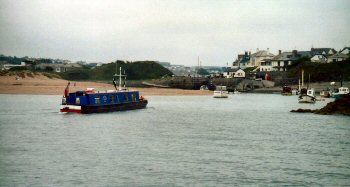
(246, 139)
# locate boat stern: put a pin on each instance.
(70, 108)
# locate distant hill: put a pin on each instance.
(139, 70)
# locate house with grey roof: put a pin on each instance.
(242, 60)
(266, 65)
(257, 57)
(338, 57)
(284, 59)
(319, 59)
(320, 55)
(345, 51)
(323, 51)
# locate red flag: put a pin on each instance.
(66, 91)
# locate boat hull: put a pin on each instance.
(325, 94)
(286, 93)
(104, 108)
(220, 94)
(338, 96)
(306, 99)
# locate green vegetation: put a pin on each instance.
(19, 68)
(249, 69)
(28, 73)
(139, 70)
(320, 72)
(202, 71)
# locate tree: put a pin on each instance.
(48, 68)
(202, 71)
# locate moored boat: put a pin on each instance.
(325, 94)
(286, 90)
(97, 101)
(307, 96)
(340, 92)
(220, 92)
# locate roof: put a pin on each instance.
(305, 53)
(288, 56)
(326, 51)
(345, 48)
(262, 53)
(319, 58)
(339, 55)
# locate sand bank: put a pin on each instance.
(42, 85)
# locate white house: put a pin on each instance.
(9, 66)
(319, 58)
(338, 57)
(58, 67)
(266, 65)
(281, 61)
(239, 74)
(259, 56)
(228, 74)
(345, 51)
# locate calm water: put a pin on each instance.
(247, 139)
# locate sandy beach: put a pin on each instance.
(42, 85)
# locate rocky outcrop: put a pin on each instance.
(339, 106)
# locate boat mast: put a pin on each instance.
(302, 78)
(115, 76)
(124, 79)
(120, 78)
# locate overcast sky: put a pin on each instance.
(169, 31)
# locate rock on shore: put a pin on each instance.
(340, 106)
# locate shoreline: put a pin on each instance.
(42, 85)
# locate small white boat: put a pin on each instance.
(325, 94)
(307, 96)
(204, 87)
(340, 92)
(220, 92)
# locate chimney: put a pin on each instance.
(279, 51)
(246, 53)
(295, 53)
(268, 50)
(250, 53)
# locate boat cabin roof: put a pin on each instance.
(223, 88)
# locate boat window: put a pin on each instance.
(126, 97)
(77, 100)
(79, 93)
(104, 99)
(133, 97)
(117, 98)
(97, 100)
(111, 98)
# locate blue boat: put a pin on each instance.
(98, 101)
